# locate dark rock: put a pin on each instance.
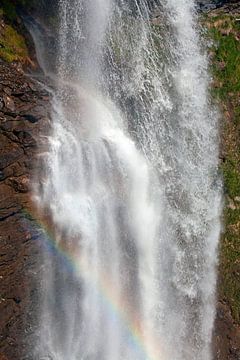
(20, 236)
(9, 152)
(3, 357)
(33, 119)
(20, 184)
(8, 90)
(16, 169)
(8, 206)
(1, 103)
(8, 102)
(208, 5)
(25, 138)
(32, 87)
(226, 336)
(18, 93)
(17, 300)
(25, 108)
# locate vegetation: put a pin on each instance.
(224, 29)
(12, 44)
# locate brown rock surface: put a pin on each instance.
(226, 336)
(24, 116)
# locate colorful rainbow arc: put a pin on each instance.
(143, 343)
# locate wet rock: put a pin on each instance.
(226, 337)
(206, 5)
(2, 176)
(9, 152)
(32, 87)
(7, 91)
(23, 118)
(8, 205)
(25, 138)
(3, 357)
(33, 119)
(1, 103)
(9, 103)
(20, 184)
(16, 169)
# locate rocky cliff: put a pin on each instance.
(24, 119)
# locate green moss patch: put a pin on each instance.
(225, 31)
(12, 45)
(231, 176)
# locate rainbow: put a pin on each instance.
(144, 344)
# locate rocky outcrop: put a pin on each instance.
(208, 5)
(24, 120)
(226, 336)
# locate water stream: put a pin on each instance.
(132, 186)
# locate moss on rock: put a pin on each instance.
(12, 45)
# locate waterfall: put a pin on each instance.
(132, 186)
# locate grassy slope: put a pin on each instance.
(224, 29)
(12, 44)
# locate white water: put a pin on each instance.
(132, 187)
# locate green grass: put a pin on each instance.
(229, 284)
(224, 30)
(12, 45)
(231, 175)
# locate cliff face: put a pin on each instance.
(24, 118)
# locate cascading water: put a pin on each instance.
(132, 186)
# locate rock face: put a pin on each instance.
(24, 118)
(208, 5)
(226, 336)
